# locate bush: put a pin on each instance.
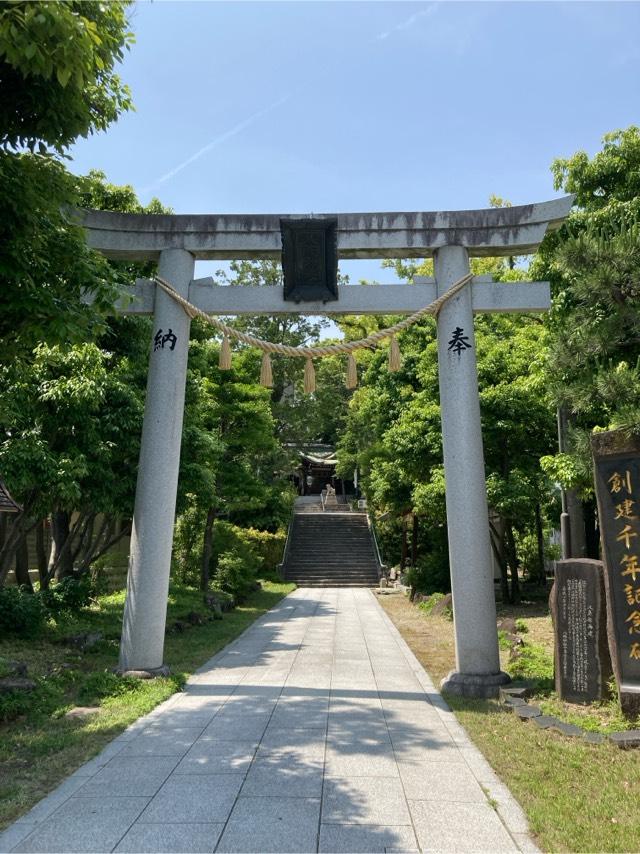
(269, 547)
(21, 612)
(236, 572)
(247, 542)
(66, 596)
(431, 574)
(45, 698)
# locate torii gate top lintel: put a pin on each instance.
(516, 230)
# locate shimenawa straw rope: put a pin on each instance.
(310, 353)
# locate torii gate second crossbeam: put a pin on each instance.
(450, 238)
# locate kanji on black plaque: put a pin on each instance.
(159, 340)
(459, 341)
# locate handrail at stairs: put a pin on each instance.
(372, 527)
(280, 566)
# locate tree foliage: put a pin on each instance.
(593, 263)
(45, 264)
(57, 71)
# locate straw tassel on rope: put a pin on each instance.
(395, 359)
(352, 372)
(309, 377)
(310, 353)
(224, 361)
(266, 376)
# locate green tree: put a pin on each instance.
(70, 425)
(231, 466)
(57, 82)
(45, 264)
(593, 263)
(300, 418)
(393, 436)
(70, 420)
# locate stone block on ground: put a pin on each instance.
(82, 712)
(626, 740)
(594, 737)
(526, 712)
(520, 692)
(570, 730)
(546, 721)
(515, 701)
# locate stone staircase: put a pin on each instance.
(331, 550)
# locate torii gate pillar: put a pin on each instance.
(145, 613)
(477, 670)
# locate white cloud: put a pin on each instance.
(223, 137)
(409, 22)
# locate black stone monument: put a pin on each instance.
(617, 477)
(582, 660)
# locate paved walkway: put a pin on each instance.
(316, 730)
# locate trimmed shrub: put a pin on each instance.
(236, 572)
(269, 547)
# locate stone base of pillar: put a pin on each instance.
(145, 674)
(482, 686)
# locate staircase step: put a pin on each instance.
(332, 549)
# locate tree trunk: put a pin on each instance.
(542, 574)
(403, 551)
(414, 541)
(60, 534)
(592, 534)
(22, 564)
(41, 555)
(513, 562)
(207, 547)
(497, 544)
(11, 540)
(571, 504)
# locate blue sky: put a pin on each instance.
(300, 107)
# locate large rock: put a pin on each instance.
(443, 607)
(84, 641)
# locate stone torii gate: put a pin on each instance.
(175, 242)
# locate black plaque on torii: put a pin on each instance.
(310, 259)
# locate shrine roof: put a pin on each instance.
(7, 504)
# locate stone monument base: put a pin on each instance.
(629, 700)
(479, 685)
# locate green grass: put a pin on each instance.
(577, 796)
(39, 746)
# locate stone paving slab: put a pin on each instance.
(166, 838)
(315, 730)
